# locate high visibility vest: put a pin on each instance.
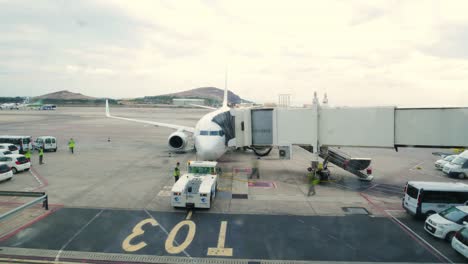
(71, 144)
(41, 152)
(313, 179)
(28, 154)
(176, 172)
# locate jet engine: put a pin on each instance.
(177, 140)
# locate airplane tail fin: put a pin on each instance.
(107, 108)
(225, 99)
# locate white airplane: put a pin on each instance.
(9, 106)
(211, 133)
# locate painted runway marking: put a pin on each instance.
(137, 231)
(176, 249)
(167, 233)
(189, 215)
(57, 258)
(164, 193)
(220, 250)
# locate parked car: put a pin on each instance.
(5, 152)
(447, 223)
(458, 167)
(11, 147)
(16, 162)
(5, 172)
(439, 164)
(460, 242)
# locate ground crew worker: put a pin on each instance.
(255, 168)
(41, 155)
(71, 145)
(28, 155)
(313, 180)
(176, 174)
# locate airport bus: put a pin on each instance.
(23, 143)
(427, 198)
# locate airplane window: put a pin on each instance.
(221, 133)
(203, 133)
(214, 133)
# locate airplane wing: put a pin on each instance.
(203, 106)
(177, 127)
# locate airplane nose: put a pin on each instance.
(207, 149)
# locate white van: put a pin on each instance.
(427, 198)
(48, 142)
(458, 167)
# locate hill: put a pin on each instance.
(64, 95)
(212, 95)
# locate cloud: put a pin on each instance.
(359, 52)
(452, 43)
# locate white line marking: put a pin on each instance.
(76, 234)
(420, 238)
(35, 177)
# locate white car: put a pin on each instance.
(5, 152)
(5, 146)
(439, 164)
(460, 242)
(16, 162)
(447, 223)
(5, 172)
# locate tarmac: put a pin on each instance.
(108, 190)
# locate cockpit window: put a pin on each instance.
(212, 133)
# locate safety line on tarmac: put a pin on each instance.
(35, 177)
(419, 237)
(40, 179)
(410, 232)
(57, 258)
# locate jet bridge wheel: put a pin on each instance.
(262, 154)
(461, 176)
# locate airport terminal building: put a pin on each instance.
(187, 101)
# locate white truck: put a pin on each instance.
(197, 187)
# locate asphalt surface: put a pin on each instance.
(444, 247)
(279, 237)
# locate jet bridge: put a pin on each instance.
(378, 127)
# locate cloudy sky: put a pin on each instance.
(404, 53)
